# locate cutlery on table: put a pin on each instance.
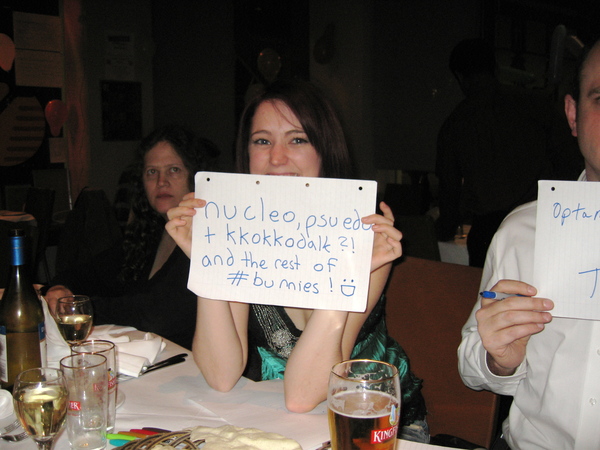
(159, 365)
(165, 363)
(13, 426)
(15, 437)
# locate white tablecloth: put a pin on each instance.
(455, 251)
(178, 397)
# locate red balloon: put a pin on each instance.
(56, 115)
(7, 52)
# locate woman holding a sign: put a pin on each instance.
(292, 130)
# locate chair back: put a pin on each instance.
(40, 204)
(58, 181)
(428, 302)
(90, 228)
(418, 236)
(408, 199)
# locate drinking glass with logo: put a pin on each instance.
(40, 400)
(107, 349)
(87, 383)
(363, 399)
(74, 318)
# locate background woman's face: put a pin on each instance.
(278, 144)
(165, 177)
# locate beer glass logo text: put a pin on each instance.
(380, 436)
(112, 379)
(74, 405)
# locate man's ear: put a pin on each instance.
(571, 113)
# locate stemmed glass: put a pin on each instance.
(40, 399)
(74, 318)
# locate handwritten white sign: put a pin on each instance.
(288, 241)
(567, 247)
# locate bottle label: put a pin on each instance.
(3, 358)
(17, 348)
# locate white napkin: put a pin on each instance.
(133, 356)
(112, 333)
(56, 346)
(131, 365)
(7, 413)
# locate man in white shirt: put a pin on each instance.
(551, 366)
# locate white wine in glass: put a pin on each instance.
(74, 318)
(40, 400)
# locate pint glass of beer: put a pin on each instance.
(364, 405)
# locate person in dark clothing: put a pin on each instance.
(142, 281)
(494, 147)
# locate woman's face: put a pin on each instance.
(165, 177)
(278, 144)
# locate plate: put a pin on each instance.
(120, 399)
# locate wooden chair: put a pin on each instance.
(428, 302)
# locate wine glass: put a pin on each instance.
(74, 318)
(40, 399)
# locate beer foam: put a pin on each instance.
(357, 405)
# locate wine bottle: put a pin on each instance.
(22, 331)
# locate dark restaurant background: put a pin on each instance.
(133, 65)
(384, 63)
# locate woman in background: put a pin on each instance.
(142, 281)
(292, 130)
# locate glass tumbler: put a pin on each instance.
(108, 350)
(87, 383)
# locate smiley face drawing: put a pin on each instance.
(348, 289)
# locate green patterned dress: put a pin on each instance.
(272, 336)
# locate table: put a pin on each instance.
(456, 251)
(178, 397)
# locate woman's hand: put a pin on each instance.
(386, 244)
(179, 225)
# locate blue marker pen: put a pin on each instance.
(498, 295)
